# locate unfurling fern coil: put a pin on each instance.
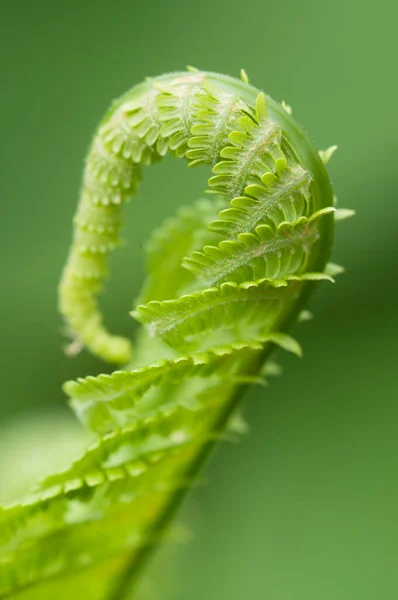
(228, 277)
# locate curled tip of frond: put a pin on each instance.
(244, 77)
(286, 107)
(327, 154)
(192, 69)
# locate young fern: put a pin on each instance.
(227, 278)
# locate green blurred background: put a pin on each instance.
(305, 508)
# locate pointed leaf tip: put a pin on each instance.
(261, 107)
(243, 76)
(305, 315)
(286, 342)
(343, 213)
(286, 107)
(332, 269)
(271, 369)
(327, 154)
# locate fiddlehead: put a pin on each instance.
(227, 278)
(264, 173)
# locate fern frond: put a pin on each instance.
(241, 311)
(112, 401)
(227, 279)
(216, 114)
(266, 253)
(97, 508)
(286, 200)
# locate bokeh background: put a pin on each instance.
(305, 508)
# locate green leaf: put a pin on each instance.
(238, 312)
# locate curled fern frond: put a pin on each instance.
(227, 279)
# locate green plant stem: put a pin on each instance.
(130, 576)
(140, 559)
